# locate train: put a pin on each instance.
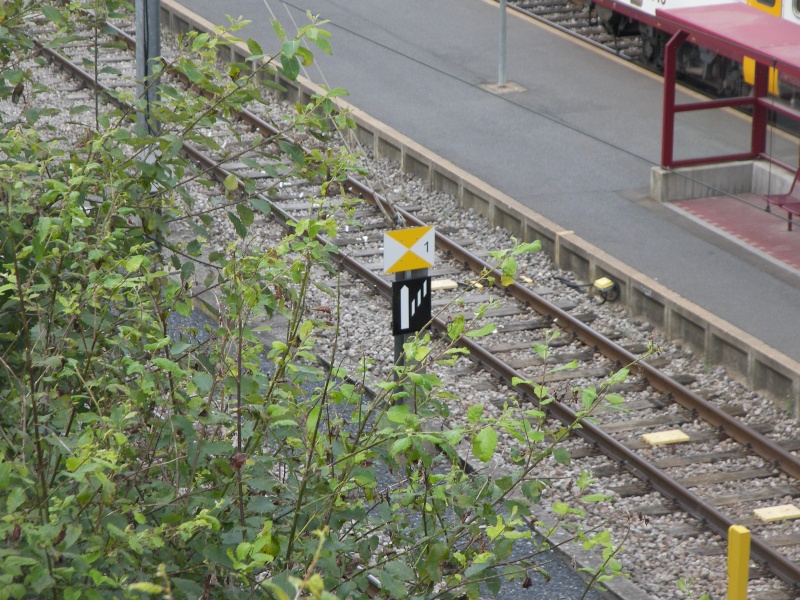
(726, 78)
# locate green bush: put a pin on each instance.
(141, 458)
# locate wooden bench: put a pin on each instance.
(790, 201)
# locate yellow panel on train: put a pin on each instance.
(749, 65)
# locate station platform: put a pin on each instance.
(745, 219)
(573, 136)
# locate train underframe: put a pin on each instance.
(703, 68)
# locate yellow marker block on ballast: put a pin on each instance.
(443, 284)
(604, 284)
(777, 513)
(659, 438)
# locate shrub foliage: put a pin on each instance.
(146, 453)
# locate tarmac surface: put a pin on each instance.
(576, 143)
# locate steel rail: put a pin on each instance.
(655, 477)
(763, 446)
(640, 467)
(570, 32)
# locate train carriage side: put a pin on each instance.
(718, 74)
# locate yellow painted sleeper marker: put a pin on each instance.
(443, 284)
(777, 513)
(659, 438)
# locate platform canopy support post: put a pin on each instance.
(670, 77)
(148, 50)
(758, 139)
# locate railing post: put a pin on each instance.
(670, 75)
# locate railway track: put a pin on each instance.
(728, 448)
(580, 20)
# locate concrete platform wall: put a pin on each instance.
(759, 366)
(749, 176)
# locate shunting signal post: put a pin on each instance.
(409, 253)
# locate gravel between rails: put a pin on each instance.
(660, 546)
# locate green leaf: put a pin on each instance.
(290, 67)
(399, 446)
(254, 48)
(167, 365)
(494, 530)
(245, 214)
(533, 246)
(323, 45)
(203, 381)
(588, 397)
(133, 263)
(72, 594)
(595, 498)
(290, 48)
(312, 420)
(261, 205)
(619, 377)
(455, 327)
(400, 570)
(188, 69)
(279, 30)
(484, 444)
(474, 413)
(561, 455)
(231, 182)
(241, 230)
(295, 153)
(15, 499)
(398, 413)
(479, 564)
(51, 14)
(565, 367)
(482, 332)
(145, 587)
(306, 57)
(392, 586)
(5, 474)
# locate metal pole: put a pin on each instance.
(148, 49)
(501, 77)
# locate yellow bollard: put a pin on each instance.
(738, 561)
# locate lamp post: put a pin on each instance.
(501, 76)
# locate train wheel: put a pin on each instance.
(652, 47)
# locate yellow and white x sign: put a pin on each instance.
(408, 249)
